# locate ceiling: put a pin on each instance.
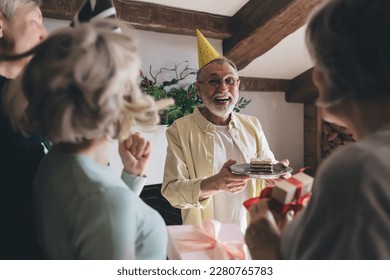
(286, 60)
(217, 7)
(265, 38)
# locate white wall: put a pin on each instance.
(281, 121)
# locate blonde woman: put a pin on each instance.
(79, 91)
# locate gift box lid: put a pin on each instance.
(227, 232)
(284, 190)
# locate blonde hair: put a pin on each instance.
(81, 84)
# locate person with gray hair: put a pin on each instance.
(90, 95)
(204, 145)
(21, 28)
(348, 216)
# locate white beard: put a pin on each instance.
(220, 110)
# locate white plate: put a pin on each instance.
(244, 169)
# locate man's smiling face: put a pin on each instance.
(218, 87)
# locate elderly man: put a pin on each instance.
(21, 28)
(202, 146)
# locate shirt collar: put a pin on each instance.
(205, 125)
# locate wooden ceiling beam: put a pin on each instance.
(302, 89)
(260, 25)
(159, 18)
(151, 17)
(253, 30)
(63, 10)
(263, 84)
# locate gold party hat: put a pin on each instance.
(206, 52)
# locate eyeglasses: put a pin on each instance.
(216, 83)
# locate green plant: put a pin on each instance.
(241, 104)
(184, 93)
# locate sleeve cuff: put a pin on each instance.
(135, 183)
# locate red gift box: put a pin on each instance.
(287, 194)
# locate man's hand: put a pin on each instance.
(285, 163)
(135, 153)
(225, 180)
(272, 182)
(229, 182)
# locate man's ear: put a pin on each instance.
(197, 86)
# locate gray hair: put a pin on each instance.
(8, 7)
(219, 60)
(349, 41)
(82, 83)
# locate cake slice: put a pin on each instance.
(261, 165)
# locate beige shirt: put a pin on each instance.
(190, 159)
